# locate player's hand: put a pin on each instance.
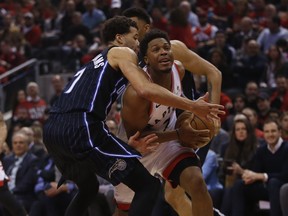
(192, 137)
(145, 144)
(207, 110)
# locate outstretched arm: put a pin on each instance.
(199, 66)
(126, 60)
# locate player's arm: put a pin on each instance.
(197, 65)
(126, 60)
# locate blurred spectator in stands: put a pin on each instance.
(19, 111)
(253, 118)
(239, 104)
(180, 29)
(77, 27)
(246, 30)
(32, 33)
(257, 12)
(93, 17)
(115, 8)
(276, 65)
(241, 9)
(219, 141)
(205, 4)
(10, 57)
(279, 97)
(264, 107)
(73, 53)
(268, 173)
(251, 93)
(270, 35)
(251, 67)
(159, 21)
(8, 201)
(35, 104)
(220, 41)
(67, 14)
(57, 82)
(210, 170)
(218, 59)
(21, 169)
(223, 9)
(284, 125)
(192, 18)
(51, 200)
(11, 32)
(203, 33)
(35, 139)
(237, 157)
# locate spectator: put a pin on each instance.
(58, 85)
(270, 35)
(251, 94)
(210, 174)
(203, 33)
(35, 104)
(238, 156)
(269, 172)
(93, 17)
(279, 98)
(180, 29)
(246, 30)
(9, 202)
(241, 8)
(276, 66)
(264, 107)
(51, 200)
(77, 27)
(252, 116)
(239, 104)
(68, 10)
(21, 169)
(159, 21)
(250, 67)
(32, 32)
(192, 18)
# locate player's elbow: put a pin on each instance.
(144, 92)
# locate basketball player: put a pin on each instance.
(192, 63)
(177, 164)
(75, 133)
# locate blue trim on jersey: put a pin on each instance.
(116, 141)
(98, 85)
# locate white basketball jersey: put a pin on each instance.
(163, 117)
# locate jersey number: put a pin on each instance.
(78, 76)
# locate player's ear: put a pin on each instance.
(147, 27)
(119, 39)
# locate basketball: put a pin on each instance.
(197, 123)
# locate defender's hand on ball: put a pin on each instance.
(193, 131)
(145, 144)
(205, 110)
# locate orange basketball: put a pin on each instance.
(197, 123)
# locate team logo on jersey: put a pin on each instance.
(120, 165)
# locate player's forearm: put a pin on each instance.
(214, 82)
(167, 136)
(157, 94)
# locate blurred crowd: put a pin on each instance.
(247, 40)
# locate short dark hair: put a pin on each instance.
(138, 12)
(116, 25)
(151, 35)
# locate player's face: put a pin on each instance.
(143, 27)
(159, 55)
(131, 39)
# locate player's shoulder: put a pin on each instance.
(121, 52)
(180, 67)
